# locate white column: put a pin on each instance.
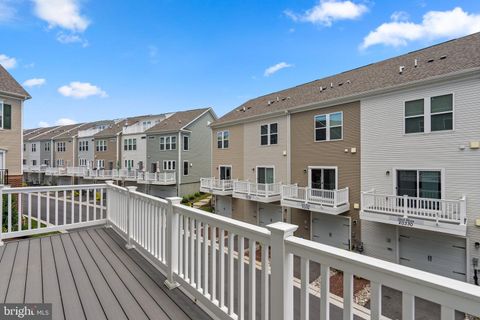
(172, 234)
(130, 218)
(281, 272)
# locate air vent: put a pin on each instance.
(443, 57)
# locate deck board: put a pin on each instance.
(33, 290)
(89, 274)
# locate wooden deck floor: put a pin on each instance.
(88, 274)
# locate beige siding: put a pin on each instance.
(108, 156)
(306, 152)
(67, 156)
(233, 155)
(11, 139)
(257, 155)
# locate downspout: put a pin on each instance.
(51, 152)
(21, 141)
(119, 139)
(289, 162)
(180, 165)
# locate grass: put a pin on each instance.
(189, 200)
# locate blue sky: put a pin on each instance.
(89, 60)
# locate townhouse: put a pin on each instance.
(85, 142)
(380, 159)
(179, 149)
(12, 98)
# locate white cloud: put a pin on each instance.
(71, 38)
(275, 68)
(35, 82)
(8, 62)
(434, 25)
(43, 124)
(81, 90)
(7, 11)
(65, 122)
(328, 11)
(61, 13)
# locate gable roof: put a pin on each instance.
(9, 85)
(117, 127)
(177, 121)
(38, 132)
(73, 132)
(55, 132)
(445, 58)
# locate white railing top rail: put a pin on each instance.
(444, 291)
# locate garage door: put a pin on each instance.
(331, 230)
(433, 252)
(223, 206)
(268, 213)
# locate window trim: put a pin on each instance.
(327, 127)
(222, 133)
(172, 162)
(188, 168)
(61, 146)
(183, 143)
(225, 166)
(101, 147)
(164, 138)
(268, 134)
(309, 172)
(1, 114)
(427, 114)
(267, 167)
(442, 177)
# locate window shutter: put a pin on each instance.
(7, 116)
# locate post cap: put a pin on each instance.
(174, 200)
(286, 229)
(132, 188)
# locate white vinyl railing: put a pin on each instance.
(76, 171)
(228, 265)
(37, 210)
(258, 189)
(333, 198)
(156, 177)
(216, 184)
(440, 210)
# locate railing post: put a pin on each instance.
(335, 197)
(281, 286)
(463, 210)
(405, 205)
(130, 217)
(109, 184)
(1, 214)
(172, 234)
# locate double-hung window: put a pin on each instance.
(47, 146)
(186, 166)
(130, 144)
(83, 146)
(60, 146)
(186, 143)
(34, 147)
(100, 164)
(429, 115)
(223, 138)
(329, 127)
(101, 145)
(168, 143)
(168, 165)
(129, 164)
(269, 134)
(5, 116)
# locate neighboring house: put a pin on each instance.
(12, 97)
(403, 131)
(134, 142)
(65, 150)
(86, 142)
(28, 154)
(181, 144)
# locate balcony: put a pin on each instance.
(55, 171)
(157, 178)
(447, 216)
(261, 192)
(76, 171)
(36, 168)
(216, 186)
(126, 251)
(317, 200)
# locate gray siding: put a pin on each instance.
(45, 155)
(154, 154)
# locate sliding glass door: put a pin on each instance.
(419, 183)
(323, 178)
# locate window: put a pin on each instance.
(186, 165)
(265, 175)
(129, 164)
(61, 146)
(24, 162)
(83, 162)
(419, 183)
(34, 147)
(225, 172)
(34, 162)
(46, 162)
(323, 178)
(60, 162)
(83, 146)
(269, 134)
(414, 118)
(329, 127)
(168, 165)
(429, 115)
(47, 146)
(24, 147)
(223, 139)
(186, 143)
(441, 111)
(168, 143)
(5, 116)
(100, 164)
(130, 144)
(101, 145)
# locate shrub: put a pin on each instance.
(191, 197)
(184, 199)
(197, 194)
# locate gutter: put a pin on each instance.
(354, 97)
(15, 95)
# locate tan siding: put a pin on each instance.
(108, 156)
(11, 139)
(306, 152)
(232, 156)
(67, 156)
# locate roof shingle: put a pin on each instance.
(177, 121)
(10, 86)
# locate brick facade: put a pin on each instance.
(15, 181)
